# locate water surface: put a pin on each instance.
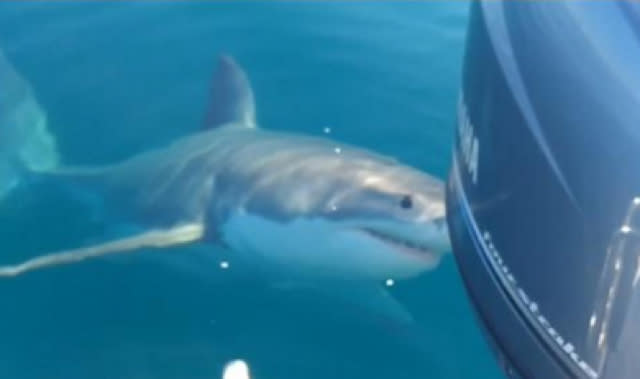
(116, 78)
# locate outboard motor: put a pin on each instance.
(544, 194)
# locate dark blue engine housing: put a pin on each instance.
(544, 193)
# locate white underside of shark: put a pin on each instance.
(345, 253)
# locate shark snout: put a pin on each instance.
(440, 237)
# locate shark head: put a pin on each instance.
(390, 218)
(396, 215)
(351, 216)
(315, 205)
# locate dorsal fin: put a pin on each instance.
(231, 97)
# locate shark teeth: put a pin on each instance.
(397, 241)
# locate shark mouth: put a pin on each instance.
(400, 244)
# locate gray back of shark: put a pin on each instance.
(232, 164)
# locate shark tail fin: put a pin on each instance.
(231, 98)
(26, 144)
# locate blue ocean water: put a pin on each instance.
(116, 78)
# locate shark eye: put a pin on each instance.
(406, 202)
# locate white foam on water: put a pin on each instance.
(236, 369)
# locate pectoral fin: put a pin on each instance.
(368, 297)
(377, 300)
(157, 238)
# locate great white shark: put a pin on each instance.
(317, 210)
